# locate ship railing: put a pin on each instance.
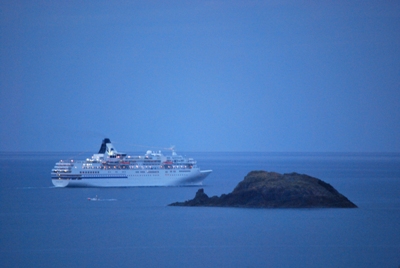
(64, 164)
(61, 170)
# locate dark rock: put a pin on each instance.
(261, 189)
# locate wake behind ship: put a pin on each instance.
(109, 168)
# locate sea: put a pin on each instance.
(44, 226)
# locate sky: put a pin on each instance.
(271, 76)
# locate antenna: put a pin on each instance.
(172, 148)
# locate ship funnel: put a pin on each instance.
(103, 147)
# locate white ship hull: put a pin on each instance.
(195, 177)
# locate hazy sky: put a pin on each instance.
(308, 76)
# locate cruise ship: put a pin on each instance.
(110, 168)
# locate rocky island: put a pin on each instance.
(262, 189)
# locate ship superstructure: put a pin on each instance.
(110, 168)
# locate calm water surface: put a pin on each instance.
(43, 226)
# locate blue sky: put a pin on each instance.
(290, 76)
